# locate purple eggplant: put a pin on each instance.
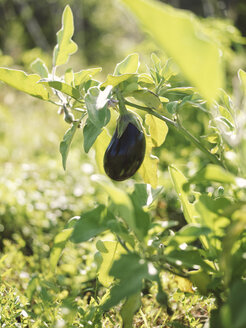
(125, 153)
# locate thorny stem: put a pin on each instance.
(181, 129)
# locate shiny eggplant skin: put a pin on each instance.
(125, 154)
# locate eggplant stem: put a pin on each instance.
(214, 159)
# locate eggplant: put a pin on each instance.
(125, 152)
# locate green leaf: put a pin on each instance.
(65, 46)
(213, 172)
(148, 169)
(115, 80)
(100, 147)
(90, 133)
(129, 308)
(59, 244)
(179, 180)
(129, 270)
(211, 212)
(237, 305)
(129, 65)
(110, 252)
(122, 205)
(39, 67)
(144, 195)
(183, 38)
(96, 102)
(69, 77)
(157, 128)
(191, 215)
(242, 79)
(91, 224)
(23, 82)
(187, 259)
(189, 233)
(84, 75)
(187, 90)
(63, 87)
(146, 97)
(66, 142)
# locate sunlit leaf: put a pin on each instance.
(66, 142)
(147, 98)
(213, 172)
(184, 284)
(59, 244)
(182, 37)
(157, 128)
(242, 79)
(65, 46)
(100, 146)
(39, 67)
(110, 252)
(148, 169)
(63, 87)
(84, 75)
(129, 65)
(69, 77)
(23, 82)
(115, 80)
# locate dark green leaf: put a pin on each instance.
(90, 132)
(130, 269)
(129, 308)
(66, 142)
(91, 224)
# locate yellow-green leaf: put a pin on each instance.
(128, 65)
(63, 87)
(23, 82)
(242, 78)
(115, 80)
(65, 46)
(183, 38)
(85, 74)
(100, 145)
(59, 244)
(149, 167)
(157, 128)
(110, 251)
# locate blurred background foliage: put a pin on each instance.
(36, 196)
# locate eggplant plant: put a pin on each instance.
(209, 250)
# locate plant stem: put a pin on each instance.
(181, 129)
(122, 102)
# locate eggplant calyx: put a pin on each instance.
(124, 120)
